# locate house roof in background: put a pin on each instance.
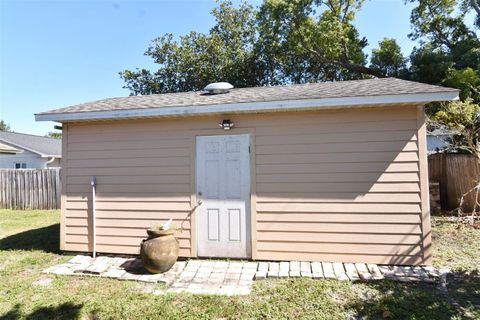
(441, 132)
(44, 146)
(258, 99)
(4, 148)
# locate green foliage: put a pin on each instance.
(449, 55)
(281, 42)
(448, 251)
(297, 44)
(429, 65)
(388, 58)
(463, 118)
(437, 21)
(4, 126)
(55, 135)
(196, 59)
(467, 80)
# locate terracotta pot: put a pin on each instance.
(160, 251)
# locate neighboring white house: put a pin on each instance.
(437, 140)
(23, 151)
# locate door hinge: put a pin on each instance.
(249, 149)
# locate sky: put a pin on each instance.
(60, 53)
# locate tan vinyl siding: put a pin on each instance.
(339, 185)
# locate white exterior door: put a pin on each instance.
(223, 186)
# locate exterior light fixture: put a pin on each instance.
(226, 124)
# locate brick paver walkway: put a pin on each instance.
(236, 277)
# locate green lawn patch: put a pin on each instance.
(29, 244)
(455, 245)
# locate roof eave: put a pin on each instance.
(51, 156)
(253, 107)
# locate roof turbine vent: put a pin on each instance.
(218, 87)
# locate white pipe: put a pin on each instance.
(93, 182)
(49, 161)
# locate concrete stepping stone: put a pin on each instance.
(339, 271)
(294, 269)
(148, 278)
(419, 272)
(305, 269)
(114, 273)
(260, 275)
(431, 271)
(407, 271)
(328, 272)
(263, 266)
(250, 265)
(247, 274)
(231, 275)
(80, 259)
(179, 266)
(398, 271)
(224, 277)
(99, 265)
(363, 272)
(273, 269)
(207, 263)
(130, 276)
(294, 265)
(317, 272)
(62, 269)
(375, 271)
(387, 272)
(219, 275)
(352, 272)
(284, 269)
(235, 266)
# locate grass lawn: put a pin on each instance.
(29, 243)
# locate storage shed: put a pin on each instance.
(327, 171)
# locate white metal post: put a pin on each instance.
(93, 182)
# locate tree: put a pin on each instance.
(463, 119)
(449, 53)
(55, 135)
(388, 58)
(196, 59)
(281, 42)
(298, 45)
(4, 126)
(429, 65)
(444, 36)
(450, 56)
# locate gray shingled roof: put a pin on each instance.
(44, 146)
(340, 89)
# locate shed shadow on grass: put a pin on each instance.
(422, 301)
(63, 311)
(42, 239)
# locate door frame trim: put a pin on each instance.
(193, 186)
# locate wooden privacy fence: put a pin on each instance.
(456, 174)
(30, 188)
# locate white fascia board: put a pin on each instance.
(51, 156)
(253, 107)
